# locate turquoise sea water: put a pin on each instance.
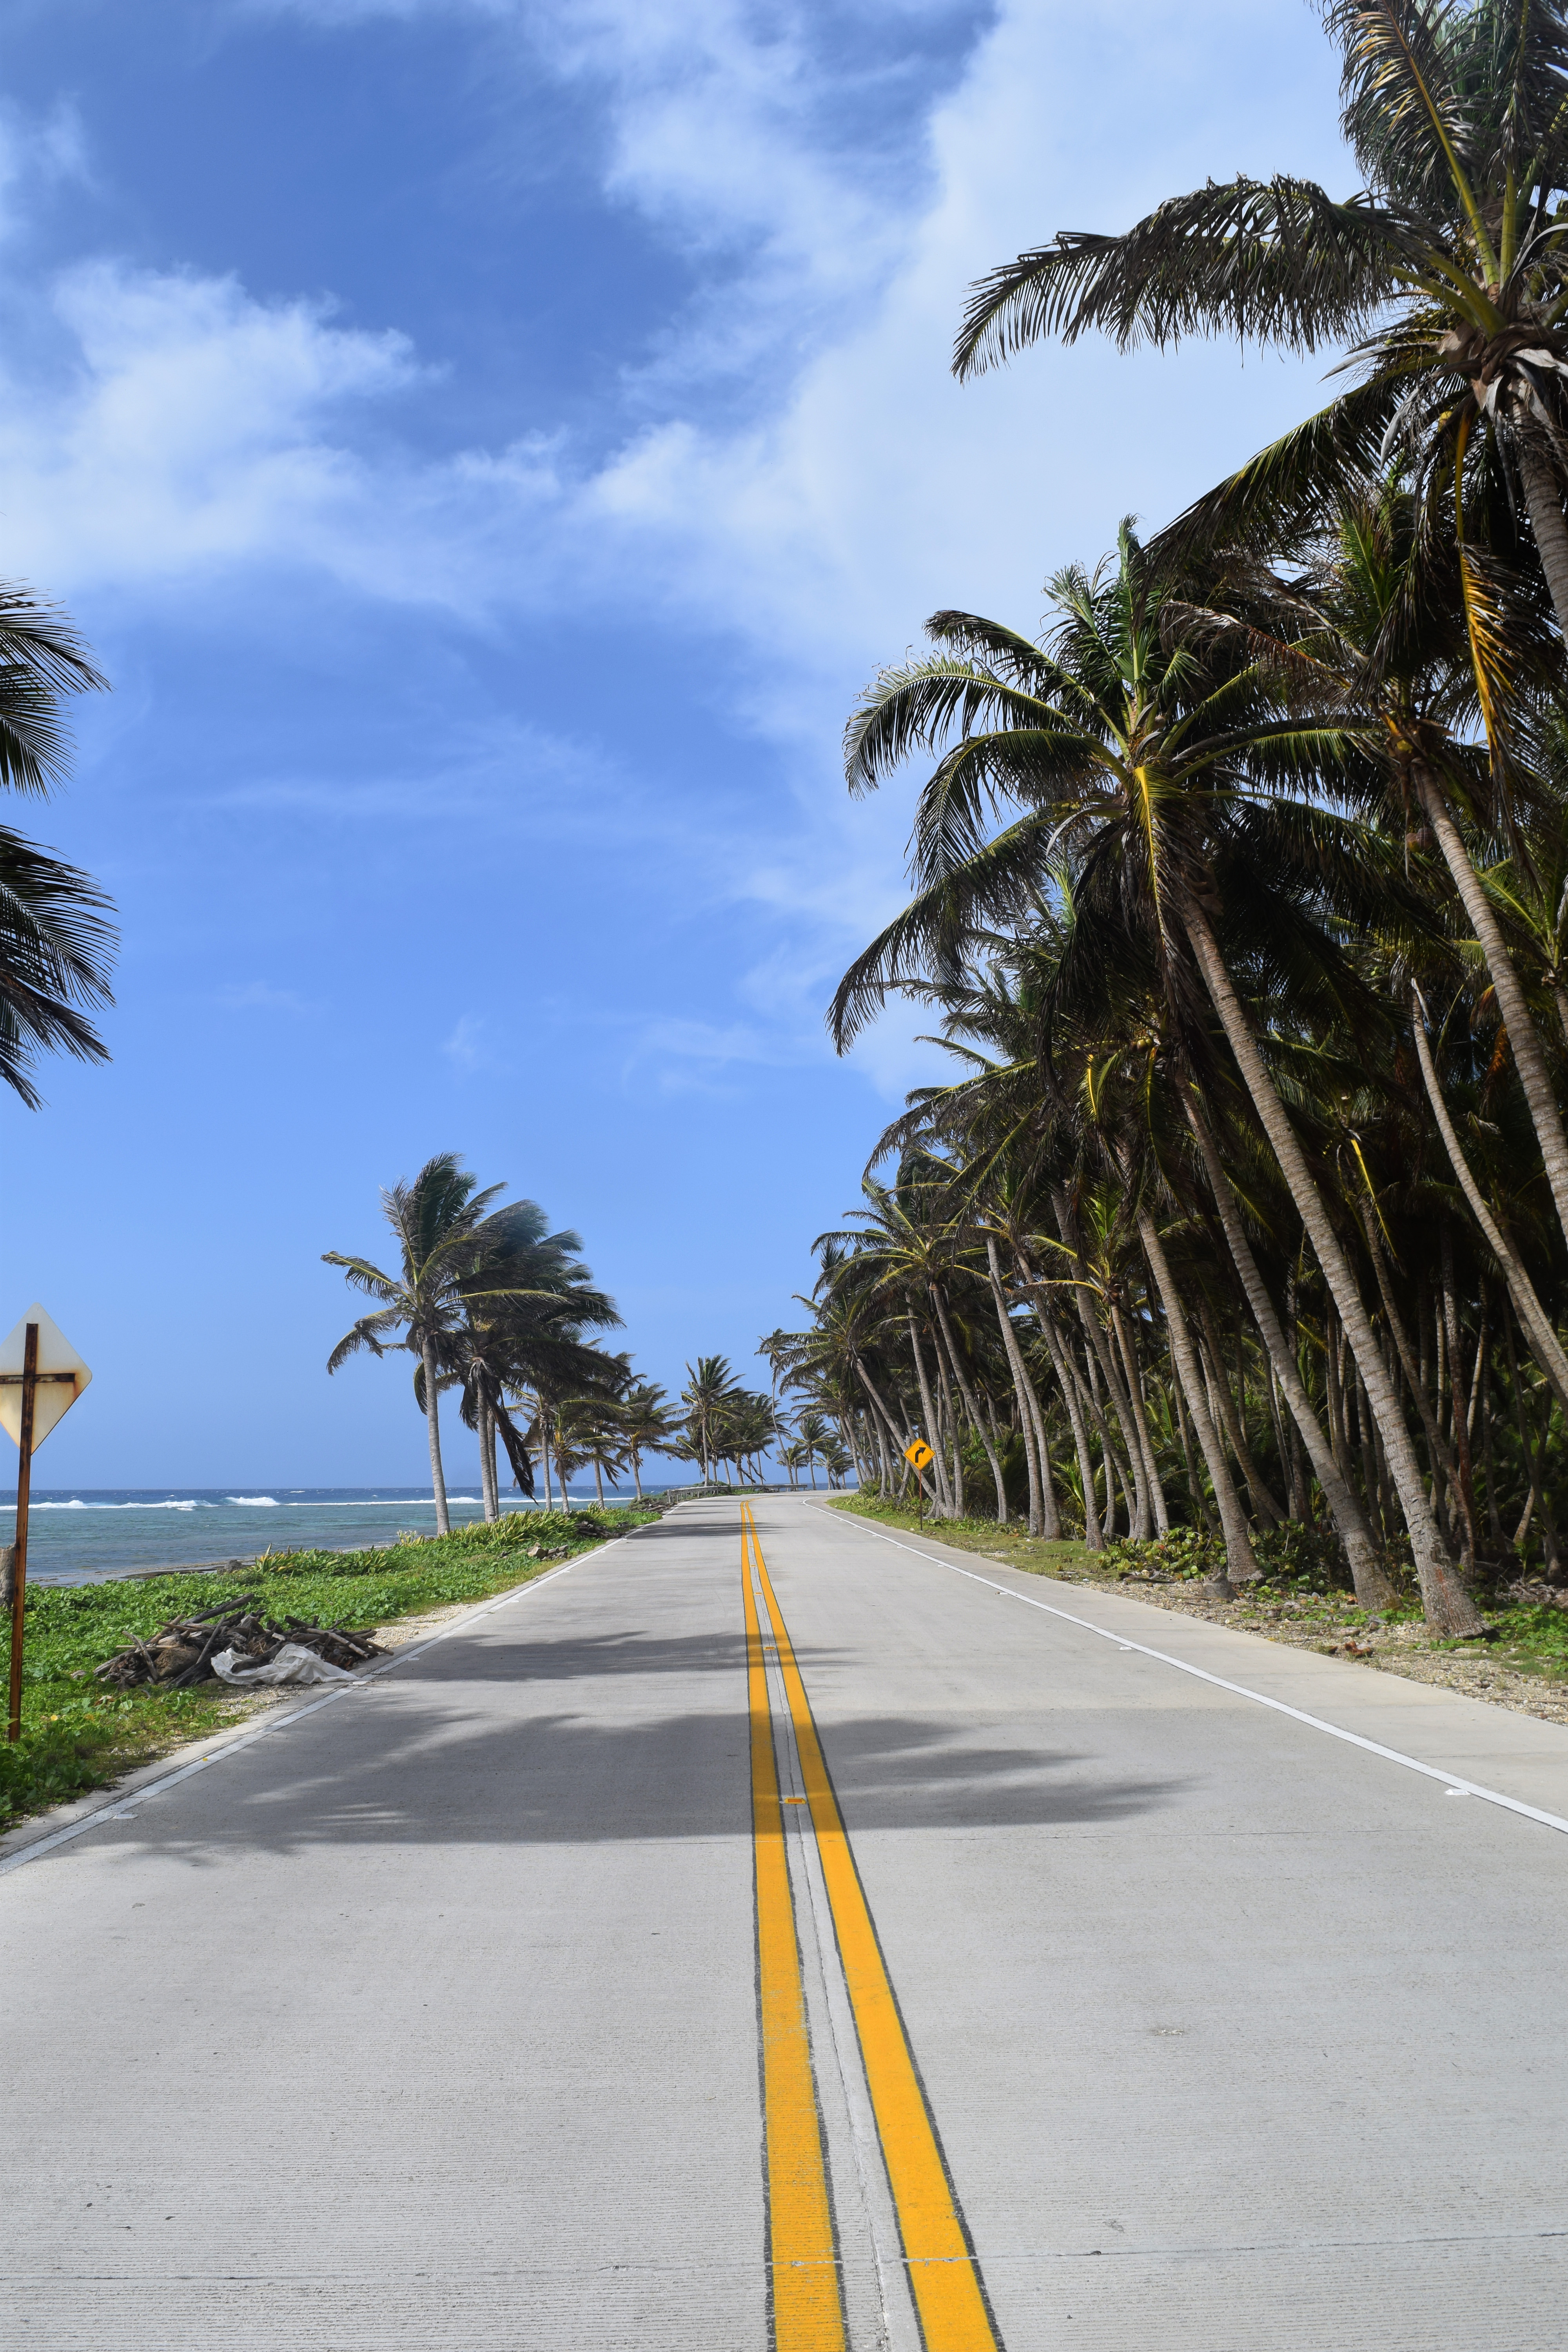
(83, 1535)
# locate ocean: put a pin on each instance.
(85, 1535)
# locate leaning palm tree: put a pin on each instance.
(815, 1441)
(594, 1437)
(527, 1299)
(1133, 758)
(433, 1220)
(1455, 257)
(645, 1425)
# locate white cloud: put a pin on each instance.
(259, 996)
(467, 1049)
(37, 154)
(194, 429)
(798, 470)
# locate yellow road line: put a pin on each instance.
(949, 2295)
(805, 2306)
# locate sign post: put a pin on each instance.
(919, 1457)
(41, 1377)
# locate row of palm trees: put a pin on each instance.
(1240, 895)
(495, 1306)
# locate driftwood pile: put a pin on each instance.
(179, 1654)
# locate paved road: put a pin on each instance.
(429, 2022)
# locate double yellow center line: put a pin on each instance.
(808, 2309)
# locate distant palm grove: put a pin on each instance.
(1240, 899)
(498, 1310)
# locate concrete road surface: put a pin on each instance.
(804, 1942)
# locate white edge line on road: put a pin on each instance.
(1452, 1782)
(119, 1808)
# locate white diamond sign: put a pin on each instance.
(62, 1376)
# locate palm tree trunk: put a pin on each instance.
(933, 1426)
(489, 1487)
(1139, 1422)
(1449, 1607)
(1042, 1502)
(543, 1426)
(1264, 1506)
(1546, 519)
(433, 1430)
(973, 1408)
(1373, 1588)
(1241, 1567)
(1139, 1513)
(1524, 1042)
(897, 1480)
(1442, 1461)
(944, 1393)
(1536, 1324)
(1532, 1461)
(637, 1473)
(1094, 1540)
(1052, 1526)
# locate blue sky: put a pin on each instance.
(489, 444)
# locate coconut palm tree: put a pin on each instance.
(710, 1386)
(1133, 758)
(595, 1435)
(528, 1299)
(433, 1220)
(644, 1423)
(1456, 256)
(55, 944)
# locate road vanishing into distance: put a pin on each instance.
(768, 1932)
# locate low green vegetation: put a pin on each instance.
(1010, 1542)
(1304, 1580)
(77, 1735)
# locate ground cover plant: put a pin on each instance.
(1304, 1594)
(78, 1735)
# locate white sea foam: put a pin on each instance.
(127, 1506)
(256, 1502)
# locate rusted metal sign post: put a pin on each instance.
(41, 1377)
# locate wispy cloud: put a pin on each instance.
(260, 996)
(795, 471)
(468, 1049)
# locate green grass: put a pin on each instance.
(77, 1735)
(1301, 1566)
(1009, 1543)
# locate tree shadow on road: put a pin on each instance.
(406, 1765)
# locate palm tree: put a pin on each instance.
(527, 1299)
(1456, 255)
(1133, 758)
(645, 1424)
(55, 946)
(434, 1219)
(594, 1435)
(815, 1442)
(710, 1386)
